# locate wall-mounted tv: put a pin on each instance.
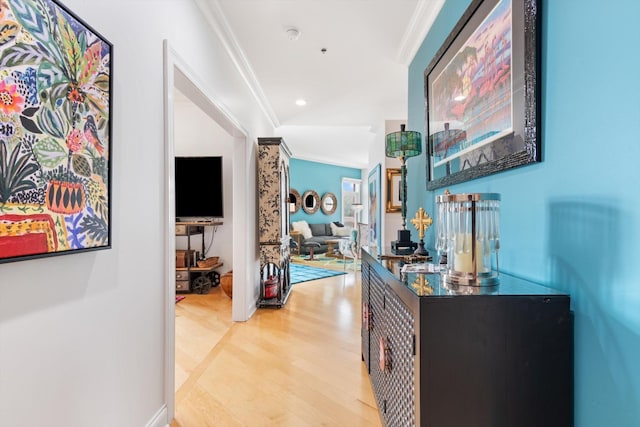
(199, 186)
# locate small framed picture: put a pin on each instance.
(375, 208)
(394, 192)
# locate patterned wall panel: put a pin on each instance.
(269, 196)
(273, 217)
(270, 253)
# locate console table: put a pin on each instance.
(439, 356)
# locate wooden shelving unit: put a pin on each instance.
(193, 278)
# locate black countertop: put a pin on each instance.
(429, 285)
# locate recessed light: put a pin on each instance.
(301, 102)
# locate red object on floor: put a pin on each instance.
(271, 287)
(179, 298)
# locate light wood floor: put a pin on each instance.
(295, 366)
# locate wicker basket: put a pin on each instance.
(226, 280)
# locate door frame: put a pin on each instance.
(178, 74)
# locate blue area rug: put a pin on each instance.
(303, 273)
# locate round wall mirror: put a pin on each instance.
(294, 200)
(310, 202)
(329, 203)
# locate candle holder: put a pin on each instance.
(469, 235)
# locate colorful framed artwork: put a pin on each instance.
(375, 210)
(394, 198)
(55, 132)
(482, 94)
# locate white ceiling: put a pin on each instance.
(350, 90)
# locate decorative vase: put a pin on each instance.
(65, 197)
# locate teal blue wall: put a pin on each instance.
(321, 178)
(572, 221)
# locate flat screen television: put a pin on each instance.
(199, 186)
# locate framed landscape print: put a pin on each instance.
(481, 94)
(55, 132)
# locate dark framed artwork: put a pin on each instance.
(394, 191)
(55, 132)
(375, 209)
(482, 94)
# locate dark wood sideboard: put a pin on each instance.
(468, 357)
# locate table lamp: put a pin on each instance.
(402, 145)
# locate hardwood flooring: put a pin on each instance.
(295, 366)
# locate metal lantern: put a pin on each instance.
(468, 233)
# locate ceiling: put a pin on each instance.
(351, 88)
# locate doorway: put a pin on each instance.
(180, 77)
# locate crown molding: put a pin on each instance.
(423, 17)
(215, 17)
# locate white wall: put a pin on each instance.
(196, 134)
(376, 155)
(392, 221)
(82, 336)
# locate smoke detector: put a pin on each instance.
(292, 33)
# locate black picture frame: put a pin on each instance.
(476, 122)
(55, 148)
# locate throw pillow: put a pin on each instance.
(303, 228)
(340, 231)
(317, 229)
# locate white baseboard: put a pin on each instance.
(252, 309)
(159, 419)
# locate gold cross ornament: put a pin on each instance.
(422, 222)
(422, 285)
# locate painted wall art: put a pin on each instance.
(375, 209)
(481, 93)
(55, 132)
